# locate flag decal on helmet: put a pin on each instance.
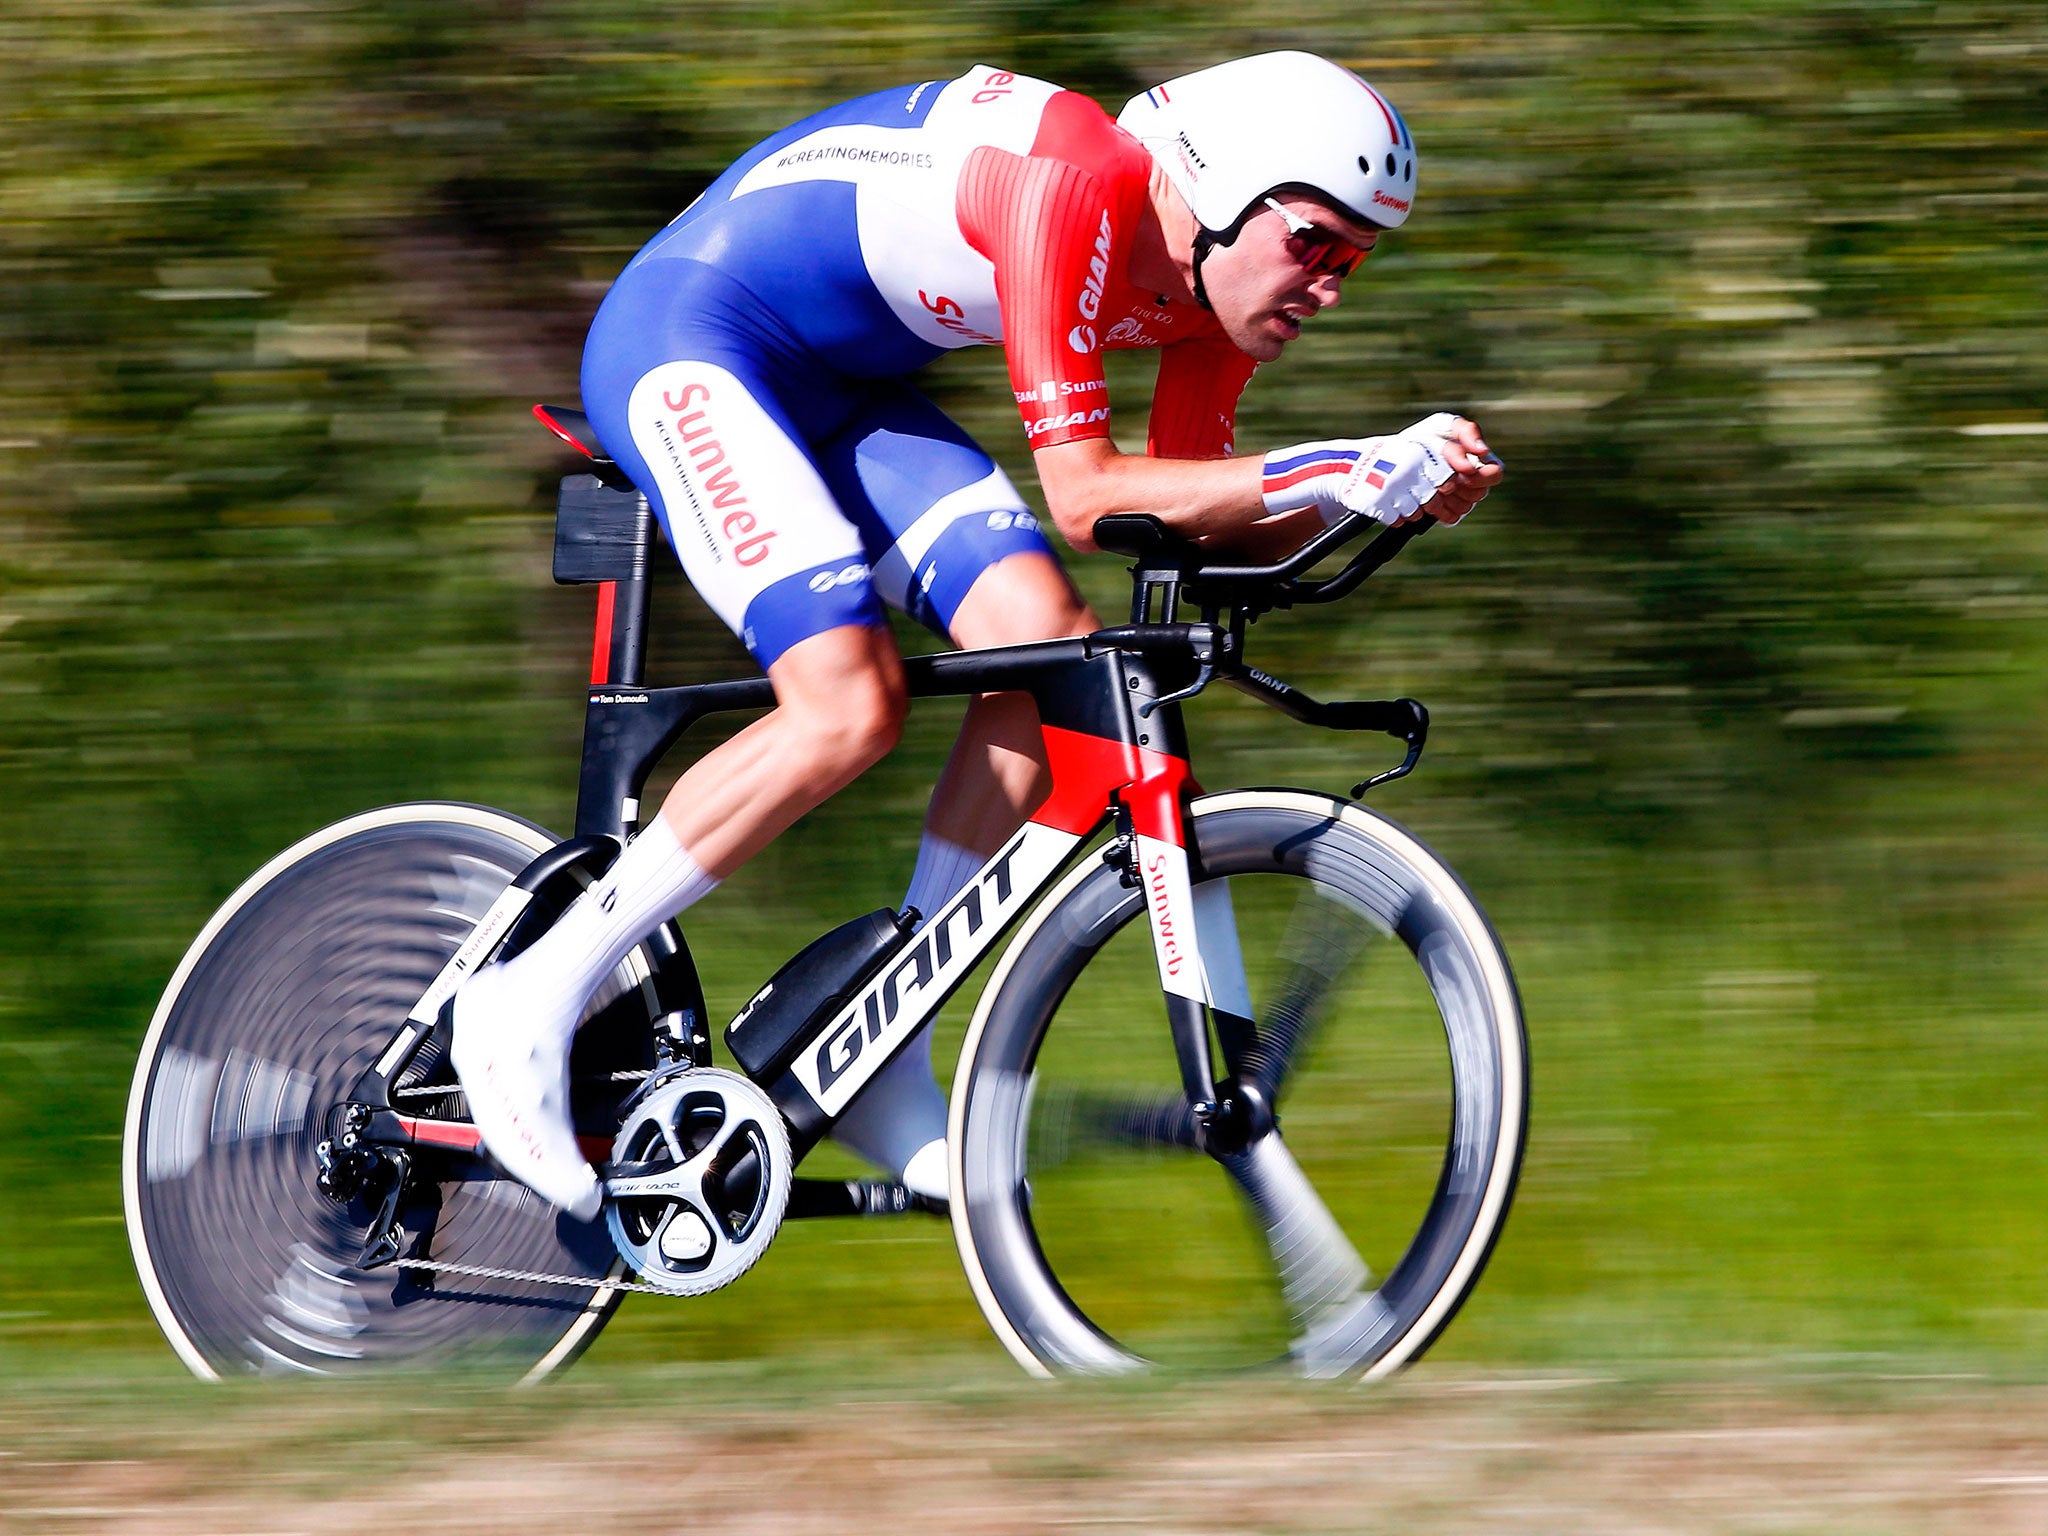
(1397, 128)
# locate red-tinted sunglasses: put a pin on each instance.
(1317, 250)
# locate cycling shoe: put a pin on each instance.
(517, 1083)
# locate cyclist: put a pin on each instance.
(747, 370)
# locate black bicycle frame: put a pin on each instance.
(1109, 708)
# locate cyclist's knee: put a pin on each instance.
(844, 696)
(867, 723)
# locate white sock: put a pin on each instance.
(653, 880)
(899, 1113)
(514, 1022)
(943, 867)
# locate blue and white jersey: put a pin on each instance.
(846, 225)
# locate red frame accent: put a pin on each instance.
(465, 1137)
(1090, 771)
(442, 1133)
(541, 415)
(601, 647)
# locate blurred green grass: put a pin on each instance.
(1738, 683)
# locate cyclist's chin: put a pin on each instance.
(1264, 339)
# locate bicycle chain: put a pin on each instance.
(441, 1090)
(530, 1277)
(525, 1276)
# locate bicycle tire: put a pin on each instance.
(1091, 1230)
(290, 991)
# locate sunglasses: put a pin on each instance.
(1317, 250)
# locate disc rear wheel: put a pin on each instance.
(292, 990)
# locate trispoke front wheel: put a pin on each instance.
(1386, 1032)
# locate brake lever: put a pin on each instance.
(1219, 646)
(1204, 676)
(1415, 733)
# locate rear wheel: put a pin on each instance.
(289, 993)
(1388, 1036)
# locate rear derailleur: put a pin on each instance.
(352, 1168)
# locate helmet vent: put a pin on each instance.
(1390, 163)
(1408, 174)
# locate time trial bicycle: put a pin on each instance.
(1249, 1081)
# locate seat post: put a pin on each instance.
(604, 536)
(622, 632)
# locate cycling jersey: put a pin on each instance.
(733, 369)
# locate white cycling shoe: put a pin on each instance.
(926, 1173)
(517, 1082)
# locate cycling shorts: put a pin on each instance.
(798, 498)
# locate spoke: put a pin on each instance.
(1322, 942)
(1321, 1275)
(1067, 1121)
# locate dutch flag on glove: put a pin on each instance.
(1384, 477)
(1290, 468)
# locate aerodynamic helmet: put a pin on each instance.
(1229, 135)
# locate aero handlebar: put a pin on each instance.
(1163, 554)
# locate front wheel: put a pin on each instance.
(1385, 1030)
(294, 988)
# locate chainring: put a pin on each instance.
(700, 1180)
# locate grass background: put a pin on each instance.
(1738, 683)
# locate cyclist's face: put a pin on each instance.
(1289, 261)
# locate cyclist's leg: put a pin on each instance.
(746, 510)
(997, 773)
(957, 549)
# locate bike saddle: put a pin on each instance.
(573, 428)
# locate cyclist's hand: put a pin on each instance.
(1477, 470)
(1384, 477)
(1397, 478)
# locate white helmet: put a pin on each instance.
(1228, 135)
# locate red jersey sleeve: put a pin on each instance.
(1056, 224)
(1194, 405)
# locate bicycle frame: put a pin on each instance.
(1115, 743)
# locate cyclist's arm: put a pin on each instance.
(1217, 501)
(1186, 476)
(1213, 500)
